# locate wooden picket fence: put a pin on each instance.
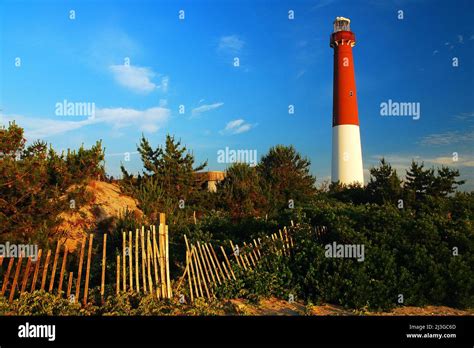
(142, 265)
(38, 269)
(154, 256)
(204, 270)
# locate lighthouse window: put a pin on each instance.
(350, 93)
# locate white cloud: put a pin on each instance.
(460, 39)
(148, 120)
(137, 79)
(231, 44)
(37, 128)
(236, 127)
(206, 107)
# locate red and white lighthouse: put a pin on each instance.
(346, 149)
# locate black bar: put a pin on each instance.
(241, 330)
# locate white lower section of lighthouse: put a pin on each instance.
(347, 155)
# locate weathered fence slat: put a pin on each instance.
(26, 275)
(137, 269)
(45, 270)
(89, 255)
(69, 285)
(104, 263)
(79, 270)
(61, 275)
(117, 290)
(15, 279)
(130, 258)
(37, 267)
(6, 278)
(55, 264)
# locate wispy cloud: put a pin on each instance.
(403, 162)
(448, 138)
(300, 73)
(322, 3)
(148, 120)
(232, 44)
(463, 116)
(137, 79)
(204, 108)
(237, 126)
(462, 161)
(460, 39)
(38, 128)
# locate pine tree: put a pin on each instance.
(286, 176)
(168, 172)
(384, 185)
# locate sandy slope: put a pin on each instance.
(108, 202)
(273, 306)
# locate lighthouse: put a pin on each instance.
(346, 149)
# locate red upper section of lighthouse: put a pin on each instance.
(339, 36)
(344, 92)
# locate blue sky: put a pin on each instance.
(190, 62)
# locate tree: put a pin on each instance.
(446, 181)
(168, 177)
(422, 182)
(419, 181)
(384, 185)
(240, 193)
(37, 184)
(286, 176)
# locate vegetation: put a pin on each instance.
(417, 232)
(37, 184)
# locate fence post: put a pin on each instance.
(45, 270)
(15, 279)
(26, 276)
(79, 270)
(89, 255)
(130, 258)
(137, 270)
(104, 263)
(55, 264)
(6, 278)
(61, 274)
(69, 285)
(37, 267)
(118, 275)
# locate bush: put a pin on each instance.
(43, 303)
(405, 254)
